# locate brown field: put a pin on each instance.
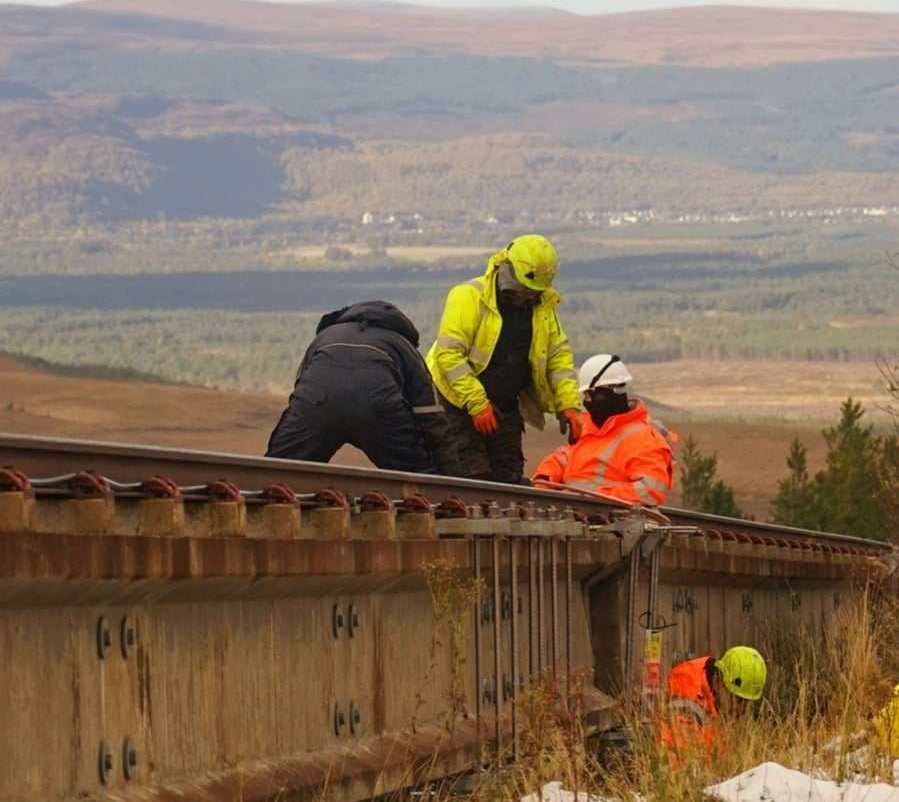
(415, 253)
(713, 36)
(774, 391)
(751, 454)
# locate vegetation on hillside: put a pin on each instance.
(700, 487)
(855, 493)
(123, 117)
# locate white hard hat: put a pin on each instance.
(604, 370)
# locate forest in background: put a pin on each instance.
(185, 188)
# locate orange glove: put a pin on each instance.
(571, 422)
(485, 422)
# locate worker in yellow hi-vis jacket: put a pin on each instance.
(502, 358)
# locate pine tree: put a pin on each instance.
(795, 503)
(848, 490)
(701, 489)
(888, 476)
(721, 501)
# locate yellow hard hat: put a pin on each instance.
(744, 672)
(533, 259)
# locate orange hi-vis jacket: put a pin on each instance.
(627, 458)
(692, 710)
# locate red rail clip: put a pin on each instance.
(223, 490)
(453, 507)
(416, 503)
(331, 498)
(279, 493)
(375, 501)
(89, 484)
(161, 487)
(13, 481)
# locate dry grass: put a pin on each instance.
(823, 689)
(822, 692)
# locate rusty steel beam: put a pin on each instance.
(263, 646)
(45, 457)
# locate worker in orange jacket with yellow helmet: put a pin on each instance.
(696, 695)
(620, 452)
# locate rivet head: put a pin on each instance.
(337, 621)
(129, 759)
(105, 763)
(104, 638)
(127, 637)
(339, 721)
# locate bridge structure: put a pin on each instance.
(182, 625)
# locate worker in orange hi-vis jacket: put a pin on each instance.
(700, 691)
(621, 452)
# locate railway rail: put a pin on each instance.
(129, 467)
(209, 627)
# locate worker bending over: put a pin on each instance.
(620, 453)
(363, 381)
(696, 696)
(501, 357)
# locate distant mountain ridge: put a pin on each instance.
(710, 36)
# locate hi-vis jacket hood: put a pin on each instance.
(627, 457)
(469, 330)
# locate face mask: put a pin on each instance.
(602, 404)
(511, 292)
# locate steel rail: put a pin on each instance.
(45, 456)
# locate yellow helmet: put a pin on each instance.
(533, 259)
(744, 672)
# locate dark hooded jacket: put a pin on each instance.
(364, 368)
(375, 324)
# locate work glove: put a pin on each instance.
(570, 423)
(485, 422)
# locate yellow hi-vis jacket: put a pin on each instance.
(469, 331)
(886, 722)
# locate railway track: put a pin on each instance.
(129, 466)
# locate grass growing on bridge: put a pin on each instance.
(823, 689)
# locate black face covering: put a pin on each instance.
(603, 403)
(511, 292)
(509, 299)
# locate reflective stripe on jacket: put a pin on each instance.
(469, 330)
(626, 458)
(692, 708)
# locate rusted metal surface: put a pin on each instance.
(498, 689)
(37, 456)
(514, 645)
(205, 627)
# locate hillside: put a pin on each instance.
(34, 401)
(304, 117)
(710, 36)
